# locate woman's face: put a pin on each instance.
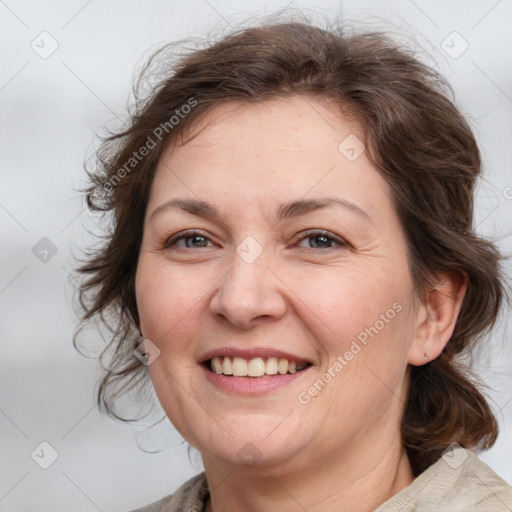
(298, 256)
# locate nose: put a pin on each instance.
(248, 294)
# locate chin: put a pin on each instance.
(257, 441)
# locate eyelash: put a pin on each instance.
(312, 233)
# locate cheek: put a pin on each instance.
(365, 359)
(364, 330)
(348, 304)
(166, 299)
(166, 302)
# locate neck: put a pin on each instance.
(346, 482)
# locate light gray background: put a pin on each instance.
(50, 109)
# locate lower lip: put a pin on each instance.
(251, 385)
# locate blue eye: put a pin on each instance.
(196, 238)
(322, 239)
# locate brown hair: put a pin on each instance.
(415, 137)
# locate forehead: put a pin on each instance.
(293, 147)
(295, 122)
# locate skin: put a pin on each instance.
(302, 294)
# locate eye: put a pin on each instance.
(322, 239)
(193, 239)
(197, 240)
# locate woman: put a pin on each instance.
(292, 240)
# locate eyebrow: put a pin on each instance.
(287, 210)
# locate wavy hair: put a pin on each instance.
(416, 138)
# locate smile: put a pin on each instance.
(257, 368)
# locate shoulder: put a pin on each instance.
(458, 482)
(190, 496)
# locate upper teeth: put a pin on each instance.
(257, 367)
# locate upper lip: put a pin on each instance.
(249, 354)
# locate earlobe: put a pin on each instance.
(437, 317)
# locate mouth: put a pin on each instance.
(256, 368)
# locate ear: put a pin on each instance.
(436, 317)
